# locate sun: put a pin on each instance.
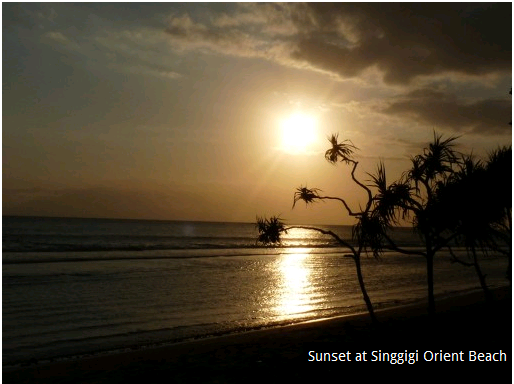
(298, 132)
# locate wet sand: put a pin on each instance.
(461, 324)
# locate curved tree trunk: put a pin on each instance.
(357, 260)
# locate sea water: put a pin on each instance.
(72, 287)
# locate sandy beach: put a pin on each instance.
(463, 327)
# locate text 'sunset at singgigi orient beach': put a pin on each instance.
(406, 357)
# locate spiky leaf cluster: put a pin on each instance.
(485, 186)
(340, 151)
(436, 163)
(270, 230)
(369, 232)
(309, 195)
(391, 202)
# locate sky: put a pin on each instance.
(177, 111)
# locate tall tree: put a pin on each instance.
(464, 189)
(449, 198)
(477, 204)
(366, 231)
(415, 198)
(499, 182)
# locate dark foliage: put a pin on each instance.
(306, 194)
(270, 230)
(340, 151)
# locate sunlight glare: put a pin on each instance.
(294, 295)
(298, 132)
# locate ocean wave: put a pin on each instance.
(58, 257)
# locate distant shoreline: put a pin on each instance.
(172, 220)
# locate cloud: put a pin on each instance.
(187, 34)
(58, 36)
(444, 110)
(265, 30)
(162, 73)
(402, 40)
(272, 19)
(408, 40)
(63, 40)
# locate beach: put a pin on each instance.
(202, 192)
(108, 301)
(463, 324)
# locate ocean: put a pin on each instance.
(75, 287)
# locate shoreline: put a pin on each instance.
(381, 309)
(463, 321)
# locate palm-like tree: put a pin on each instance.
(433, 195)
(449, 198)
(499, 171)
(499, 180)
(464, 189)
(366, 233)
(485, 186)
(414, 197)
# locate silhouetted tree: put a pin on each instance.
(464, 189)
(365, 232)
(499, 182)
(487, 188)
(448, 198)
(414, 198)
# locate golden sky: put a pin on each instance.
(177, 111)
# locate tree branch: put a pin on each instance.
(442, 242)
(394, 247)
(457, 260)
(325, 232)
(342, 201)
(370, 196)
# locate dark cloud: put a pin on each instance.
(402, 40)
(409, 39)
(443, 110)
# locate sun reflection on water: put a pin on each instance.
(293, 293)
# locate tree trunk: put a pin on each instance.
(430, 283)
(509, 220)
(481, 277)
(508, 275)
(357, 260)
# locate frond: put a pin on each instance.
(468, 167)
(339, 150)
(437, 162)
(440, 157)
(500, 161)
(378, 180)
(389, 200)
(270, 230)
(396, 199)
(309, 195)
(416, 172)
(369, 231)
(499, 175)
